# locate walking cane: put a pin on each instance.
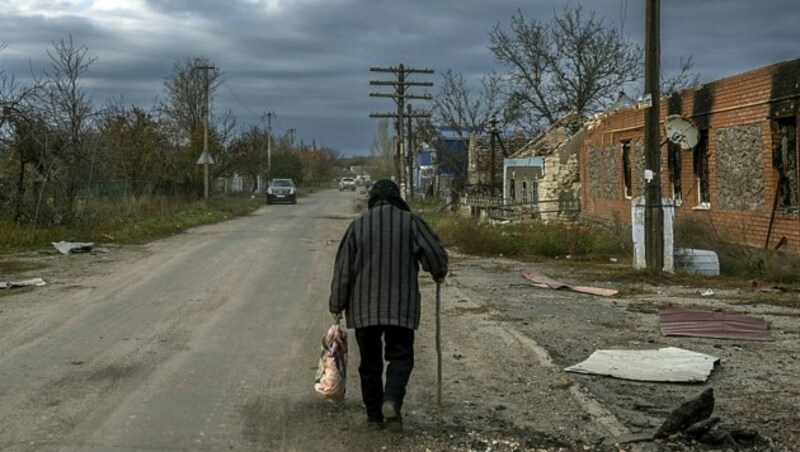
(439, 410)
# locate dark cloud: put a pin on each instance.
(308, 60)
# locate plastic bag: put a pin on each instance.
(331, 378)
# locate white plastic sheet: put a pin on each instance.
(73, 247)
(669, 364)
(34, 282)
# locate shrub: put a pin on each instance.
(523, 240)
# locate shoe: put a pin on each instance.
(392, 418)
(375, 425)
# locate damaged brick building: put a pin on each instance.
(742, 176)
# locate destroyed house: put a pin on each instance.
(741, 176)
(546, 172)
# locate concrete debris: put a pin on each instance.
(73, 247)
(33, 282)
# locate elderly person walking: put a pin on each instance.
(375, 285)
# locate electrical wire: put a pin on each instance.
(623, 12)
(239, 100)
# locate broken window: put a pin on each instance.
(511, 190)
(626, 166)
(700, 161)
(674, 165)
(784, 159)
(535, 192)
(524, 191)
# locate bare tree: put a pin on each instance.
(185, 89)
(466, 109)
(69, 104)
(183, 110)
(576, 62)
(69, 109)
(382, 151)
(685, 78)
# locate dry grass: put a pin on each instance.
(128, 220)
(11, 267)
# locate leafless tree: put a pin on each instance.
(576, 62)
(185, 94)
(68, 108)
(69, 104)
(685, 78)
(466, 109)
(382, 151)
(183, 111)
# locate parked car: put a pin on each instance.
(347, 183)
(281, 190)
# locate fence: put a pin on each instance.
(499, 208)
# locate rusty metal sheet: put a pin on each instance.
(540, 280)
(667, 365)
(697, 323)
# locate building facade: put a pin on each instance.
(742, 175)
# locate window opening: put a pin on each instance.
(674, 165)
(626, 166)
(700, 160)
(784, 159)
(524, 191)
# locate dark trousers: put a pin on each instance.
(398, 351)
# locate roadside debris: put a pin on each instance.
(73, 247)
(33, 282)
(692, 421)
(697, 323)
(540, 280)
(699, 262)
(669, 364)
(706, 293)
(689, 413)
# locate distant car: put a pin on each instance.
(347, 183)
(281, 190)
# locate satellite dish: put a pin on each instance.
(681, 132)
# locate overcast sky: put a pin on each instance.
(308, 60)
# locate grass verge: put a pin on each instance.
(127, 221)
(596, 246)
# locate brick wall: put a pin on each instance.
(738, 113)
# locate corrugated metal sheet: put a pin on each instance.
(671, 364)
(540, 280)
(691, 322)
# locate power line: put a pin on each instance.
(239, 100)
(623, 11)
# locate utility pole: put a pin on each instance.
(410, 151)
(206, 156)
(654, 213)
(269, 116)
(400, 96)
(492, 132)
(494, 140)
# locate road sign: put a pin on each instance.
(205, 157)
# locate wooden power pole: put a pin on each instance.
(269, 116)
(654, 212)
(400, 96)
(206, 157)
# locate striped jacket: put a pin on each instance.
(375, 274)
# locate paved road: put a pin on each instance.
(207, 341)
